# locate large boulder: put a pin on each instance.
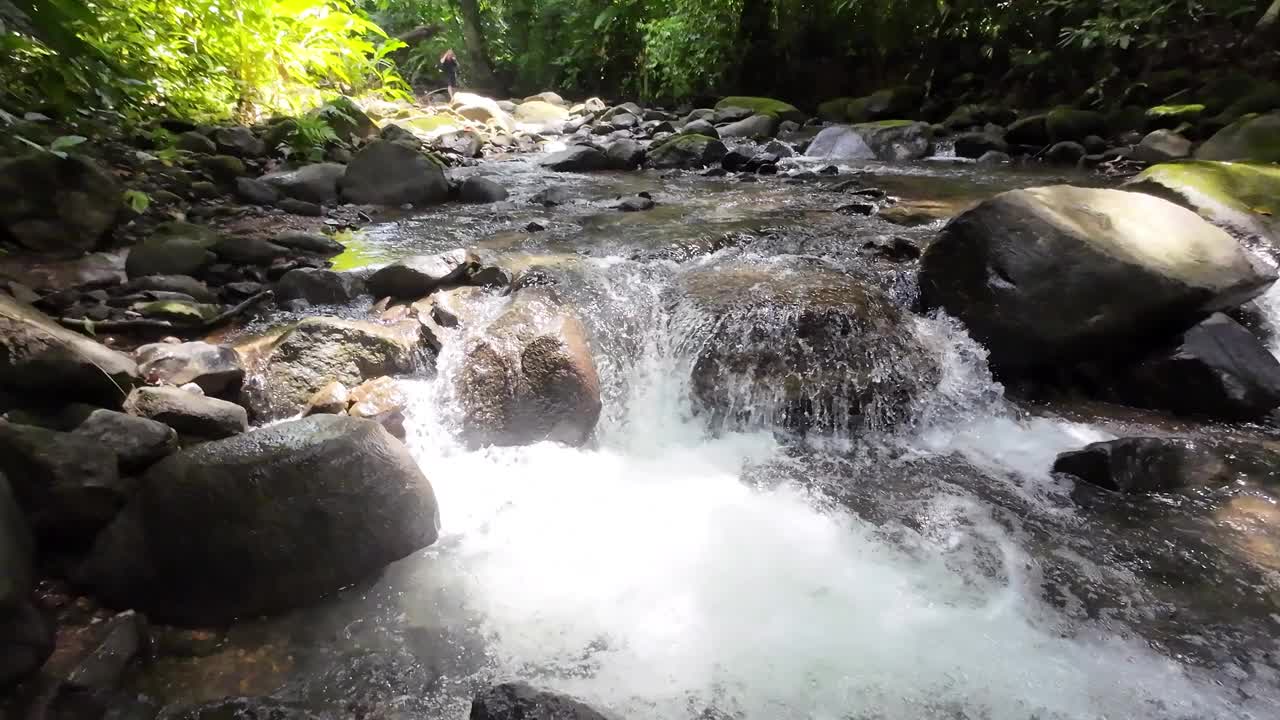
(137, 442)
(57, 205)
(529, 377)
(316, 183)
(174, 248)
(976, 144)
(320, 350)
(1046, 276)
(264, 522)
(42, 359)
(215, 368)
(387, 173)
(540, 113)
(1242, 197)
(26, 641)
(1029, 130)
(1161, 146)
(478, 189)
(1217, 370)
(484, 110)
(885, 140)
(764, 106)
(1066, 123)
(752, 127)
(68, 485)
(194, 416)
(579, 158)
(762, 338)
(1149, 464)
(625, 154)
(319, 287)
(419, 275)
(977, 116)
(1253, 138)
(885, 104)
(687, 152)
(521, 701)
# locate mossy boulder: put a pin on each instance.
(1242, 197)
(687, 152)
(1253, 138)
(835, 110)
(1264, 97)
(1066, 123)
(764, 106)
(1171, 116)
(1030, 130)
(968, 116)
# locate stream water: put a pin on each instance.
(678, 567)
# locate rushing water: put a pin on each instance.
(678, 567)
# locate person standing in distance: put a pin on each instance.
(449, 64)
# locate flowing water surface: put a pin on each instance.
(680, 567)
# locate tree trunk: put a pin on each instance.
(482, 76)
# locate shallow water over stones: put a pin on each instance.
(678, 564)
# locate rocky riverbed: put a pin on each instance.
(721, 412)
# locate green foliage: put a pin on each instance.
(196, 58)
(137, 201)
(311, 134)
(60, 145)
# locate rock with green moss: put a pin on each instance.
(430, 124)
(1242, 197)
(687, 152)
(1165, 117)
(1030, 130)
(182, 312)
(968, 116)
(1066, 123)
(1263, 98)
(174, 248)
(835, 109)
(1253, 138)
(884, 140)
(764, 106)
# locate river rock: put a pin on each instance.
(215, 368)
(17, 549)
(977, 144)
(1072, 124)
(300, 207)
(137, 442)
(700, 127)
(1148, 464)
(579, 158)
(255, 191)
(243, 250)
(243, 708)
(239, 141)
(174, 248)
(687, 152)
(1161, 146)
(375, 398)
(332, 399)
(184, 284)
(385, 173)
(476, 189)
(26, 641)
(537, 112)
(310, 243)
(1066, 152)
(319, 287)
(752, 127)
(1044, 276)
(625, 154)
(264, 522)
(763, 106)
(763, 336)
(320, 350)
(530, 376)
(893, 140)
(62, 206)
(41, 359)
(420, 275)
(1253, 138)
(521, 701)
(1030, 130)
(1217, 370)
(69, 485)
(223, 169)
(1240, 197)
(971, 116)
(195, 142)
(317, 183)
(194, 416)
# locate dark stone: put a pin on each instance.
(255, 191)
(319, 287)
(316, 183)
(417, 276)
(26, 640)
(752, 127)
(56, 205)
(137, 442)
(476, 189)
(734, 160)
(215, 368)
(1065, 153)
(239, 141)
(17, 551)
(687, 151)
(1147, 464)
(195, 142)
(521, 701)
(243, 708)
(977, 144)
(116, 644)
(301, 208)
(222, 168)
(895, 249)
(193, 416)
(241, 250)
(625, 155)
(384, 173)
(700, 127)
(579, 158)
(264, 522)
(185, 284)
(552, 196)
(636, 204)
(175, 248)
(310, 243)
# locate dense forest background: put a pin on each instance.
(209, 58)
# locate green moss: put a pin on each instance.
(884, 124)
(429, 123)
(1243, 196)
(1182, 112)
(764, 106)
(359, 253)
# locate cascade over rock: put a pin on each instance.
(1049, 275)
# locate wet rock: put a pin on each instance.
(625, 155)
(239, 141)
(977, 144)
(222, 168)
(177, 311)
(529, 377)
(332, 399)
(1030, 130)
(969, 116)
(376, 398)
(184, 284)
(993, 158)
(579, 158)
(384, 173)
(552, 196)
(319, 287)
(56, 205)
(1253, 138)
(858, 208)
(734, 160)
(763, 106)
(893, 140)
(1071, 124)
(194, 416)
(300, 207)
(241, 250)
(256, 192)
(175, 248)
(687, 152)
(624, 121)
(700, 127)
(116, 643)
(521, 701)
(195, 142)
(26, 640)
(242, 708)
(1046, 276)
(320, 350)
(895, 249)
(264, 522)
(17, 550)
(476, 189)
(419, 275)
(1065, 153)
(763, 336)
(463, 143)
(636, 203)
(310, 243)
(454, 307)
(316, 183)
(215, 368)
(69, 485)
(537, 112)
(752, 127)
(41, 359)
(1237, 196)
(1161, 146)
(1217, 370)
(1147, 464)
(137, 442)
